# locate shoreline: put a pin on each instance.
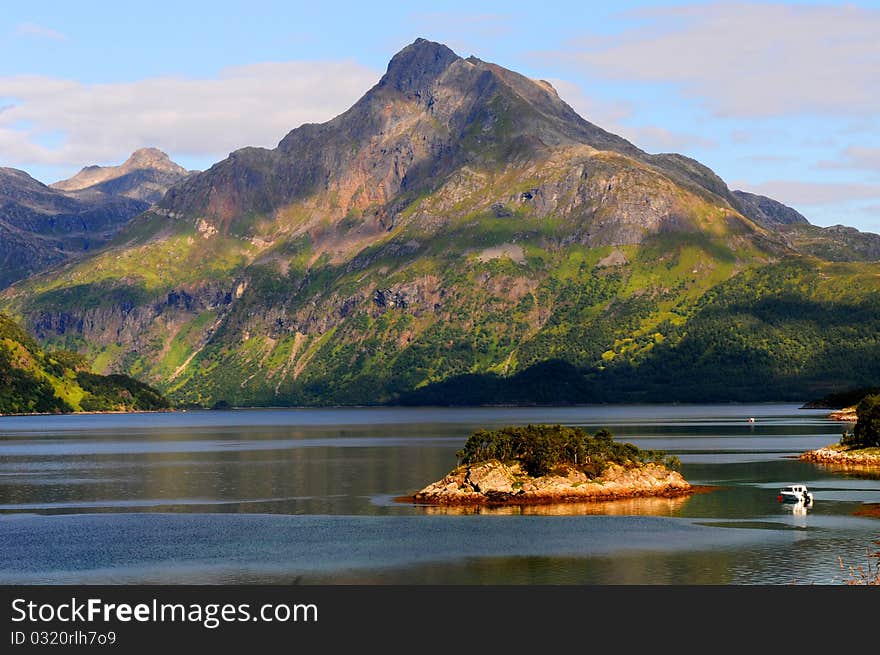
(109, 411)
(840, 455)
(531, 501)
(232, 408)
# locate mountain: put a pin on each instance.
(431, 119)
(35, 381)
(837, 243)
(768, 212)
(460, 234)
(41, 226)
(146, 175)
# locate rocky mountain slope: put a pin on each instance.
(459, 223)
(768, 212)
(836, 243)
(41, 226)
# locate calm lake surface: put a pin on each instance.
(307, 496)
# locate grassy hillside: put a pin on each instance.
(787, 331)
(35, 381)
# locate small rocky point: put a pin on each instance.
(836, 454)
(494, 482)
(848, 414)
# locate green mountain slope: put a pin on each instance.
(460, 227)
(35, 381)
(783, 331)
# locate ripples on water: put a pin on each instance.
(308, 496)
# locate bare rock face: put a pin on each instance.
(768, 212)
(494, 482)
(840, 456)
(490, 477)
(433, 116)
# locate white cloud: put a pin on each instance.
(40, 31)
(796, 192)
(658, 139)
(252, 105)
(747, 59)
(599, 112)
(855, 157)
(613, 117)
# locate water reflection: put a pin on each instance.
(621, 507)
(860, 471)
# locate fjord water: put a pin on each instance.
(310, 496)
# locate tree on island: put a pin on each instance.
(544, 448)
(866, 433)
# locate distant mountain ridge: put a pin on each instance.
(42, 226)
(461, 235)
(146, 175)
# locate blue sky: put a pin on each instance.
(779, 98)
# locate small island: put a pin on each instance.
(858, 447)
(542, 464)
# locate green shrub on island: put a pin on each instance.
(543, 449)
(866, 433)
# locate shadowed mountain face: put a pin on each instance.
(460, 219)
(41, 226)
(768, 212)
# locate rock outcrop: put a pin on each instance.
(494, 482)
(839, 455)
(768, 212)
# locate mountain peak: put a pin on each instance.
(415, 67)
(145, 175)
(148, 158)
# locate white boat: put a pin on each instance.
(795, 493)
